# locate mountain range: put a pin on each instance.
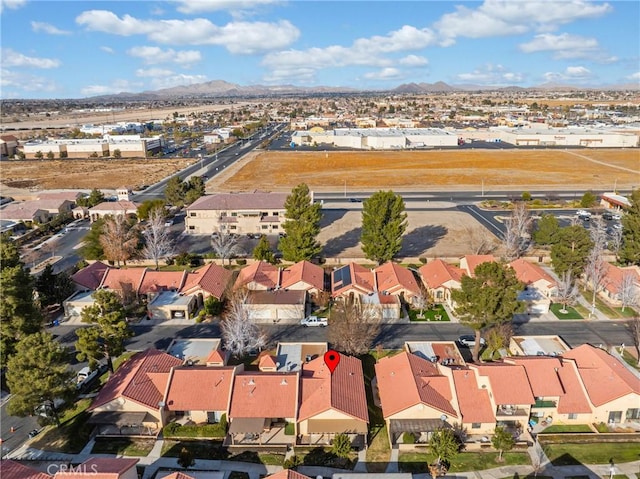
(221, 88)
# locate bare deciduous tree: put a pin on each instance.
(598, 233)
(422, 300)
(118, 239)
(517, 231)
(633, 325)
(595, 272)
(225, 244)
(240, 334)
(479, 240)
(567, 291)
(354, 326)
(615, 243)
(628, 291)
(157, 242)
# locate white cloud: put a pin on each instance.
(384, 74)
(235, 7)
(117, 86)
(155, 55)
(11, 58)
(577, 74)
(490, 74)
(291, 75)
(107, 49)
(48, 28)
(153, 72)
(11, 4)
(177, 80)
(25, 82)
(634, 76)
(565, 46)
(413, 61)
(508, 17)
(246, 38)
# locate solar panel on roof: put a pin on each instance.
(342, 275)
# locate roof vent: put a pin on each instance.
(251, 382)
(283, 382)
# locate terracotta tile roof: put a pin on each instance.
(405, 380)
(116, 279)
(541, 371)
(155, 281)
(352, 277)
(509, 383)
(614, 275)
(473, 260)
(133, 382)
(288, 474)
(258, 200)
(529, 273)
(211, 278)
(178, 475)
(125, 207)
(14, 470)
(60, 195)
(216, 357)
(303, 271)
(100, 468)
(262, 394)
(267, 361)
(8, 138)
(280, 297)
(25, 210)
(474, 402)
(603, 376)
(342, 391)
(393, 278)
(437, 272)
(574, 399)
(260, 272)
(91, 276)
(199, 388)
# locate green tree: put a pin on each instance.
(63, 155)
(588, 199)
(175, 191)
(502, 440)
(547, 230)
(488, 298)
(185, 458)
(92, 248)
(117, 153)
(213, 306)
(147, 206)
(109, 331)
(38, 373)
(95, 198)
(630, 251)
(39, 155)
(570, 251)
(384, 221)
(341, 446)
(53, 288)
(444, 444)
(302, 226)
(18, 314)
(262, 251)
(526, 196)
(50, 155)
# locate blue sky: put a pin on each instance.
(75, 49)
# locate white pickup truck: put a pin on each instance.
(314, 321)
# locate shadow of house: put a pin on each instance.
(419, 240)
(337, 245)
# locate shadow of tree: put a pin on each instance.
(331, 216)
(340, 243)
(417, 241)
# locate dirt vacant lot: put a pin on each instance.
(87, 174)
(437, 170)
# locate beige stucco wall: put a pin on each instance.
(282, 313)
(485, 428)
(208, 221)
(419, 411)
(126, 405)
(333, 415)
(629, 401)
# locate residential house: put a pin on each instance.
(132, 400)
(113, 208)
(10, 469)
(443, 352)
(478, 413)
(125, 282)
(261, 406)
(279, 306)
(199, 351)
(101, 468)
(292, 356)
(258, 276)
(303, 275)
(155, 282)
(25, 211)
(440, 278)
(544, 345)
(332, 402)
(612, 389)
(470, 262)
(391, 278)
(90, 277)
(75, 303)
(614, 280)
(199, 393)
(427, 401)
(257, 212)
(8, 145)
(209, 280)
(288, 474)
(172, 305)
(71, 196)
(540, 286)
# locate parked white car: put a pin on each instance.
(314, 321)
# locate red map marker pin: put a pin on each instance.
(332, 359)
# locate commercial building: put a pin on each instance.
(377, 138)
(572, 136)
(127, 145)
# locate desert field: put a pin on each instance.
(87, 174)
(436, 170)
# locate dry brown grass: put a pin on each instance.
(517, 169)
(87, 174)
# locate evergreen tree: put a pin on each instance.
(630, 251)
(588, 199)
(109, 331)
(302, 226)
(53, 288)
(570, 251)
(147, 206)
(384, 221)
(547, 230)
(502, 440)
(38, 373)
(488, 298)
(175, 191)
(262, 251)
(92, 248)
(95, 197)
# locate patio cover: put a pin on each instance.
(244, 425)
(416, 425)
(121, 419)
(335, 426)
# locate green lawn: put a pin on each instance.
(598, 453)
(258, 458)
(571, 312)
(609, 311)
(379, 450)
(73, 433)
(627, 313)
(174, 430)
(416, 462)
(567, 428)
(630, 359)
(430, 314)
(123, 446)
(199, 449)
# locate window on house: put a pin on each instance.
(275, 227)
(233, 227)
(265, 227)
(633, 414)
(192, 227)
(572, 415)
(192, 214)
(439, 295)
(224, 213)
(234, 214)
(476, 425)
